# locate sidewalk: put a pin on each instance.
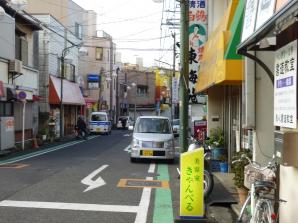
(227, 181)
(14, 152)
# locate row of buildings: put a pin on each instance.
(56, 65)
(249, 73)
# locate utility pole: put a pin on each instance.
(184, 70)
(112, 81)
(173, 76)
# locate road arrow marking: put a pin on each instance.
(127, 149)
(92, 184)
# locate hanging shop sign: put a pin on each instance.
(266, 9)
(93, 81)
(175, 90)
(285, 86)
(249, 19)
(197, 39)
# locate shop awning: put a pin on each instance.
(71, 92)
(220, 63)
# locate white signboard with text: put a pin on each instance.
(285, 86)
(249, 19)
(265, 11)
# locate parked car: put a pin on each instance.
(176, 126)
(99, 123)
(152, 138)
(124, 120)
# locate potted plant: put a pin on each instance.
(223, 163)
(238, 170)
(43, 133)
(216, 142)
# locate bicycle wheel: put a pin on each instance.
(245, 213)
(263, 212)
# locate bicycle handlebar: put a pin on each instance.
(254, 164)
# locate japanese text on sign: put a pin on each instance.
(191, 188)
(197, 38)
(285, 86)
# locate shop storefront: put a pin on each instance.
(269, 40)
(72, 100)
(220, 77)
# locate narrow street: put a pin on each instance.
(90, 181)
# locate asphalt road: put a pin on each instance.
(79, 183)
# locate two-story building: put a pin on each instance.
(137, 92)
(19, 72)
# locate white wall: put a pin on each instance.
(3, 71)
(288, 192)
(215, 107)
(264, 140)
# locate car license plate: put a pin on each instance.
(97, 129)
(147, 153)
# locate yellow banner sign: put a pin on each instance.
(192, 184)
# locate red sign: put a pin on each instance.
(1, 89)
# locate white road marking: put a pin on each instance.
(94, 183)
(127, 135)
(145, 200)
(70, 206)
(151, 168)
(127, 149)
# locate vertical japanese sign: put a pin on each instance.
(285, 86)
(266, 9)
(192, 184)
(197, 39)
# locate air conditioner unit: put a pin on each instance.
(16, 66)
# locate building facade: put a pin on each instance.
(19, 73)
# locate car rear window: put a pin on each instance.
(153, 125)
(98, 117)
(176, 122)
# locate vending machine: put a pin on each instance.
(7, 135)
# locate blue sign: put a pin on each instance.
(22, 95)
(93, 78)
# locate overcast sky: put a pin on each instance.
(133, 24)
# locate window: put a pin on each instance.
(142, 90)
(153, 125)
(78, 30)
(21, 49)
(98, 117)
(6, 109)
(98, 53)
(69, 72)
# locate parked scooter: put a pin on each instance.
(208, 176)
(80, 134)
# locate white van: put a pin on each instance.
(99, 123)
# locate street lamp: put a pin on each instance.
(82, 51)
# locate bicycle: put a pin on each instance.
(258, 207)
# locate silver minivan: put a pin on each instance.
(152, 138)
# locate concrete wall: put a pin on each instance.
(57, 8)
(3, 71)
(288, 192)
(264, 133)
(7, 38)
(215, 107)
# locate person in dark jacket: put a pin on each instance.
(81, 124)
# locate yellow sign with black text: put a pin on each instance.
(192, 184)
